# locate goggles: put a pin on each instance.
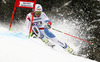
(37, 13)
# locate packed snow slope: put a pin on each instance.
(15, 47)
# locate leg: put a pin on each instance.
(40, 35)
(52, 37)
(36, 31)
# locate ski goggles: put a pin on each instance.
(37, 13)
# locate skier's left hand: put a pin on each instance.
(48, 26)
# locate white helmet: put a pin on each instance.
(38, 7)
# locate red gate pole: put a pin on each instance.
(32, 18)
(12, 17)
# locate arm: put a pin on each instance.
(27, 24)
(47, 21)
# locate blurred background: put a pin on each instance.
(84, 14)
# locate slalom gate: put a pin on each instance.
(23, 4)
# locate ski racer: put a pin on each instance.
(40, 27)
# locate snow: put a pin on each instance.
(4, 1)
(15, 47)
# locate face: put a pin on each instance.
(37, 13)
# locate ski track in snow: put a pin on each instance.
(15, 47)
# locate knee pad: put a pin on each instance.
(37, 31)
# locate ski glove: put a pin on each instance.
(48, 26)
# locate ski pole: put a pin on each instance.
(73, 36)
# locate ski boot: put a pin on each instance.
(45, 40)
(67, 48)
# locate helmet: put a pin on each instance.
(38, 8)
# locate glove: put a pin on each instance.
(48, 26)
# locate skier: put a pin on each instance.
(40, 28)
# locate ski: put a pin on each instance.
(68, 49)
(50, 44)
(47, 42)
(72, 52)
